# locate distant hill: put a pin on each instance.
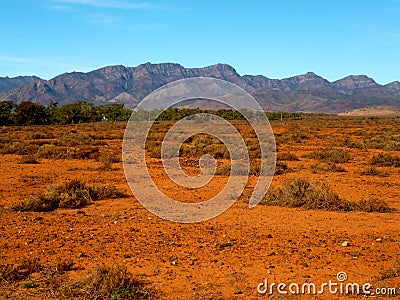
(119, 84)
(10, 83)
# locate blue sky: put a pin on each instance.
(275, 38)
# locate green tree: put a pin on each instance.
(6, 111)
(29, 113)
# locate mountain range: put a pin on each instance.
(119, 84)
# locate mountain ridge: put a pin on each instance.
(307, 92)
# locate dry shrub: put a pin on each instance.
(391, 272)
(19, 148)
(28, 159)
(109, 283)
(374, 205)
(72, 194)
(308, 195)
(386, 160)
(107, 159)
(281, 168)
(373, 171)
(12, 271)
(337, 155)
(53, 281)
(62, 152)
(287, 156)
(329, 167)
(318, 195)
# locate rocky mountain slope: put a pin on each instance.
(119, 84)
(7, 83)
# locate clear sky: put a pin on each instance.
(274, 38)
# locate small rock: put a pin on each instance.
(82, 254)
(237, 291)
(174, 263)
(345, 244)
(378, 240)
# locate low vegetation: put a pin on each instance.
(326, 167)
(52, 280)
(301, 193)
(386, 160)
(330, 155)
(391, 272)
(371, 170)
(72, 194)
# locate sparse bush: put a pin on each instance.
(374, 205)
(329, 167)
(12, 271)
(19, 148)
(281, 168)
(386, 160)
(308, 195)
(28, 159)
(337, 155)
(110, 283)
(318, 195)
(72, 194)
(287, 156)
(373, 171)
(53, 281)
(107, 159)
(391, 272)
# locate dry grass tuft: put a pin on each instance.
(386, 160)
(72, 194)
(53, 281)
(329, 167)
(374, 205)
(109, 283)
(305, 194)
(308, 195)
(288, 156)
(391, 272)
(331, 155)
(373, 171)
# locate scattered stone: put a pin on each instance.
(82, 255)
(174, 263)
(237, 291)
(269, 236)
(345, 244)
(355, 254)
(378, 240)
(224, 245)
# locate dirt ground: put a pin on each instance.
(225, 257)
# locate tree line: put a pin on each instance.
(29, 113)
